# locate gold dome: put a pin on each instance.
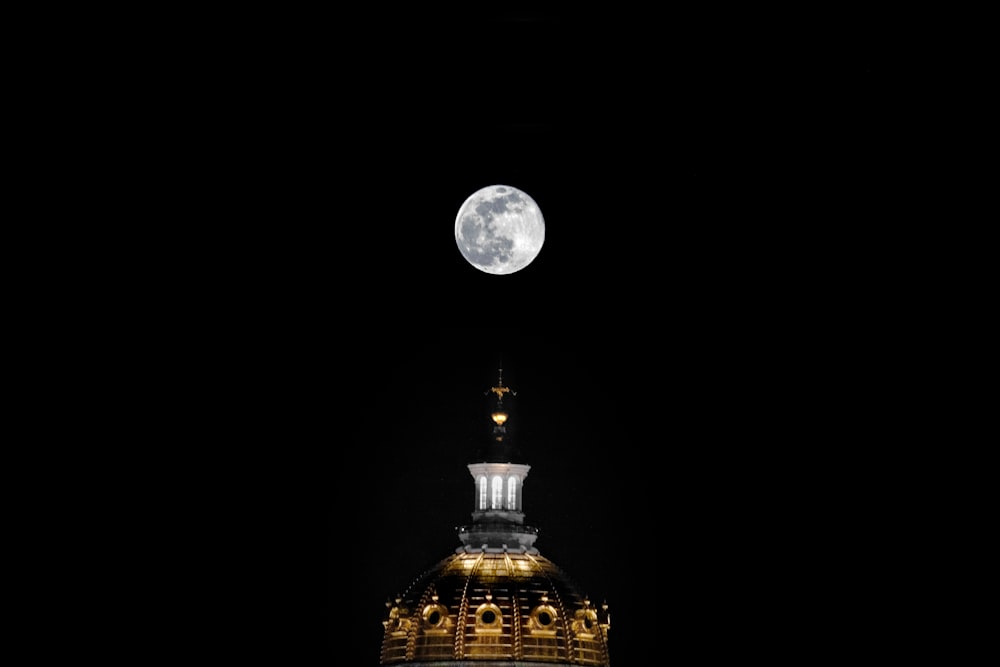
(494, 606)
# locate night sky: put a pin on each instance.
(688, 348)
(679, 346)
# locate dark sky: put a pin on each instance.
(701, 168)
(680, 344)
(687, 346)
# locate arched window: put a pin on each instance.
(512, 492)
(497, 500)
(482, 492)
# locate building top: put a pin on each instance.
(496, 600)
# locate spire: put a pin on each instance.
(500, 389)
(499, 414)
(498, 517)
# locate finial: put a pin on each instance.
(500, 389)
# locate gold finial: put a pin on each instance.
(500, 389)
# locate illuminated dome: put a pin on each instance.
(496, 600)
(495, 605)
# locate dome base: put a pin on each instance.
(502, 535)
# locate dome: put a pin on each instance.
(496, 601)
(492, 606)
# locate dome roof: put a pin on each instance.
(493, 606)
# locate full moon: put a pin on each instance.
(499, 229)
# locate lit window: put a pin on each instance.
(482, 492)
(497, 493)
(512, 492)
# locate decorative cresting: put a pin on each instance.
(496, 600)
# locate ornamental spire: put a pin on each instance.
(500, 389)
(499, 415)
(498, 515)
